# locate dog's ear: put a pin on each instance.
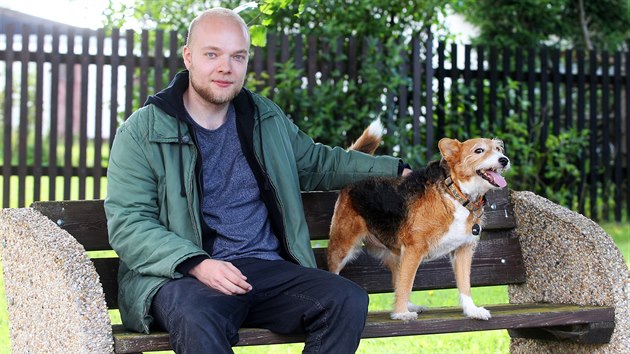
(498, 142)
(449, 147)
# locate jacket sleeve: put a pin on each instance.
(135, 220)
(321, 167)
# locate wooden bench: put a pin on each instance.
(534, 317)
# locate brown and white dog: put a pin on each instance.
(430, 213)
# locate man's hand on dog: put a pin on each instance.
(221, 276)
(406, 171)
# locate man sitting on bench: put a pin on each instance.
(204, 208)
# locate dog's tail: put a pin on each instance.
(370, 139)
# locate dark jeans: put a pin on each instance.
(286, 298)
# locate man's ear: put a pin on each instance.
(187, 56)
(449, 147)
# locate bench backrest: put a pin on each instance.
(497, 261)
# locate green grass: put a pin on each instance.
(620, 233)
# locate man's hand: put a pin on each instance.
(406, 171)
(221, 276)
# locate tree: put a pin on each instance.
(322, 17)
(603, 24)
(150, 14)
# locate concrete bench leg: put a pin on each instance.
(569, 259)
(54, 297)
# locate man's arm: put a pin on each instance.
(133, 215)
(321, 167)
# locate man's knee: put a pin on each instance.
(345, 319)
(352, 299)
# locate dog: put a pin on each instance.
(427, 214)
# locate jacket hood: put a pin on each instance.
(170, 100)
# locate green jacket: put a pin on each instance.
(153, 207)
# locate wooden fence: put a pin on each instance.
(65, 93)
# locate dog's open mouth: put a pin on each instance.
(493, 177)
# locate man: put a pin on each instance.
(204, 209)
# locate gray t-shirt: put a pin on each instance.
(231, 201)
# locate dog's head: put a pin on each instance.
(475, 165)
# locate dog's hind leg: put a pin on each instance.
(347, 230)
(462, 261)
(340, 252)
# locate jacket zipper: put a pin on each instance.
(284, 238)
(191, 210)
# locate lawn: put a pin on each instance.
(478, 342)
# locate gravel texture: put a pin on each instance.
(569, 259)
(54, 297)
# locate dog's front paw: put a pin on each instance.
(404, 316)
(415, 308)
(479, 313)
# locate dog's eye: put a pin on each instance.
(479, 151)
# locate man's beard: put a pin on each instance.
(218, 99)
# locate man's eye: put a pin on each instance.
(239, 57)
(211, 55)
(478, 151)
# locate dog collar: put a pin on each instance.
(475, 208)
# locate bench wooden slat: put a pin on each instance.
(433, 321)
(107, 269)
(585, 333)
(85, 219)
(318, 209)
(496, 262)
(499, 212)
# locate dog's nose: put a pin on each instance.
(504, 161)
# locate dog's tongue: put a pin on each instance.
(498, 179)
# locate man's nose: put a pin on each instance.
(225, 65)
